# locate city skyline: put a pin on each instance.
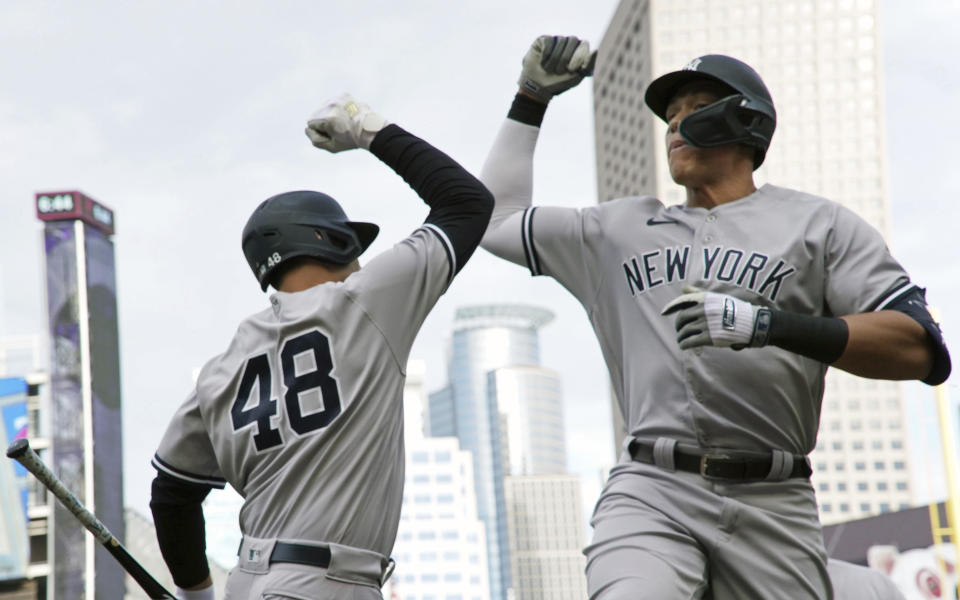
(183, 148)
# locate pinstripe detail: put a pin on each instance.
(526, 235)
(447, 246)
(159, 465)
(895, 295)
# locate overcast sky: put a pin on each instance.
(183, 116)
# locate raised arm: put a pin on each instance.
(552, 65)
(459, 204)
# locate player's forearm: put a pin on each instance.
(459, 202)
(508, 169)
(886, 345)
(178, 518)
(508, 174)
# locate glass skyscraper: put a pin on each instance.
(485, 339)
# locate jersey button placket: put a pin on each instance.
(710, 219)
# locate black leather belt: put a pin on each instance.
(716, 464)
(302, 554)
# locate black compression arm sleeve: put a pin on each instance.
(178, 517)
(459, 204)
(819, 338)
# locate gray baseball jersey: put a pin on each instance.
(302, 414)
(625, 259)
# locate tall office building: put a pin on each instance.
(441, 543)
(485, 338)
(545, 525)
(821, 60)
(543, 508)
(508, 411)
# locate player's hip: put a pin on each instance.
(277, 569)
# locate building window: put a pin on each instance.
(862, 486)
(879, 465)
(865, 507)
(901, 485)
(899, 465)
(841, 486)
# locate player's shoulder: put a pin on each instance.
(775, 193)
(798, 205)
(252, 333)
(624, 207)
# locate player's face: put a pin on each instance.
(691, 166)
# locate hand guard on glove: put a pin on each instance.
(554, 64)
(344, 124)
(712, 319)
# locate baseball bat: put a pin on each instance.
(21, 451)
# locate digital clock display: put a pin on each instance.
(63, 206)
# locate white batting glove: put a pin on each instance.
(712, 319)
(204, 594)
(344, 124)
(554, 64)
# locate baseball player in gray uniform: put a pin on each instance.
(712, 489)
(302, 414)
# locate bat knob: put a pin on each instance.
(18, 448)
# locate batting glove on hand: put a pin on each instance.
(344, 124)
(554, 64)
(712, 319)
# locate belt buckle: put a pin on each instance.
(705, 461)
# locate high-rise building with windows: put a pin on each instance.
(485, 338)
(507, 409)
(440, 550)
(545, 526)
(821, 60)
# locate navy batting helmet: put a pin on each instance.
(302, 224)
(746, 116)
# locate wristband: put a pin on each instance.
(526, 110)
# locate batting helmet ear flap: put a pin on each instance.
(729, 121)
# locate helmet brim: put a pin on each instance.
(662, 89)
(366, 233)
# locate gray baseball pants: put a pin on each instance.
(668, 535)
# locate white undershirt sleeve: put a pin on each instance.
(508, 174)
